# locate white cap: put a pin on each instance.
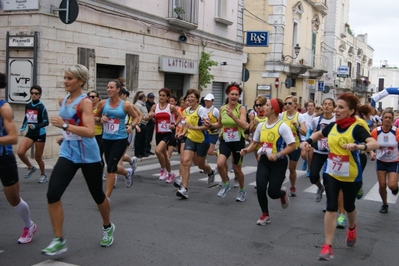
(209, 97)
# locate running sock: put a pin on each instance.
(106, 226)
(211, 173)
(226, 184)
(23, 210)
(353, 228)
(242, 189)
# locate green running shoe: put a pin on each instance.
(56, 247)
(108, 236)
(341, 221)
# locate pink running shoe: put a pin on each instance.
(163, 175)
(27, 234)
(171, 178)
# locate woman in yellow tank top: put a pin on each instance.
(233, 121)
(276, 141)
(346, 139)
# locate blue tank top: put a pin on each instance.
(115, 127)
(4, 149)
(76, 148)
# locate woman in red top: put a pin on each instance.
(163, 113)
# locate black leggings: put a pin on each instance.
(349, 189)
(272, 174)
(114, 150)
(317, 163)
(63, 173)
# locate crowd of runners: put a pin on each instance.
(333, 139)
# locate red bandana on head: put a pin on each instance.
(275, 106)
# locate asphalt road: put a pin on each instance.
(154, 227)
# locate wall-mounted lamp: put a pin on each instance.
(297, 48)
(223, 64)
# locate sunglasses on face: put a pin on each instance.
(258, 105)
(92, 96)
(34, 93)
(288, 103)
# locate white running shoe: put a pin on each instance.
(171, 178)
(133, 163)
(163, 175)
(27, 234)
(128, 177)
(42, 179)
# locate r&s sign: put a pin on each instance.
(257, 38)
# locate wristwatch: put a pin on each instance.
(65, 126)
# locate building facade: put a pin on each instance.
(290, 24)
(346, 51)
(152, 44)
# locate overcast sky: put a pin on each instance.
(380, 20)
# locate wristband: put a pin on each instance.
(278, 155)
(365, 147)
(310, 141)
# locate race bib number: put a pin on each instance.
(31, 116)
(265, 148)
(338, 164)
(386, 151)
(68, 135)
(230, 134)
(322, 144)
(112, 126)
(163, 126)
(183, 121)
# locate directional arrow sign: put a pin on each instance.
(20, 79)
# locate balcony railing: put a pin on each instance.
(321, 5)
(183, 13)
(307, 58)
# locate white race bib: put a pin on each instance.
(266, 148)
(230, 134)
(112, 126)
(70, 136)
(322, 144)
(338, 165)
(31, 116)
(164, 126)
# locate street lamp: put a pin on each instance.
(297, 48)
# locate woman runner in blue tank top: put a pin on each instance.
(112, 114)
(78, 150)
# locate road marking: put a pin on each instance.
(246, 171)
(154, 166)
(54, 263)
(299, 173)
(374, 195)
